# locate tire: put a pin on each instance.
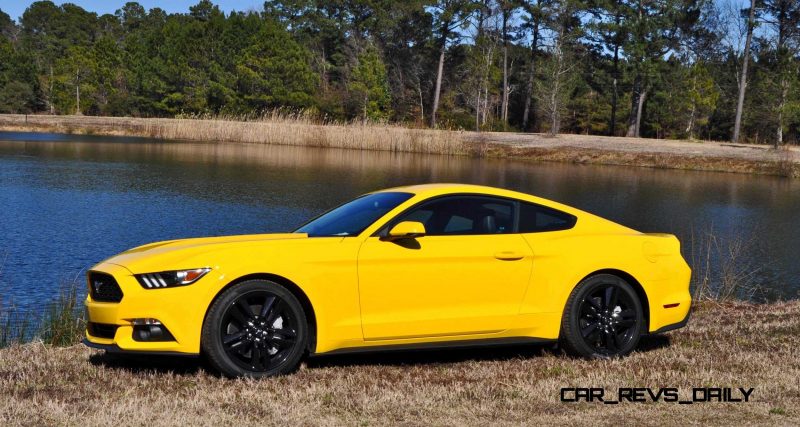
(603, 318)
(255, 329)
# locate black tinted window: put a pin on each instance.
(351, 218)
(463, 215)
(535, 218)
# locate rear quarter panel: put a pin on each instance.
(563, 258)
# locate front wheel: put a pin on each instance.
(603, 318)
(255, 329)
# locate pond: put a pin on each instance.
(67, 202)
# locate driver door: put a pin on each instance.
(466, 276)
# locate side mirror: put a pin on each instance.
(406, 230)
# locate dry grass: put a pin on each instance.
(726, 269)
(62, 322)
(728, 345)
(274, 128)
(302, 130)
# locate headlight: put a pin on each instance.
(171, 279)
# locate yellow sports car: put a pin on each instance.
(437, 264)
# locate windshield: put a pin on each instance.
(351, 218)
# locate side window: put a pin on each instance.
(463, 215)
(535, 218)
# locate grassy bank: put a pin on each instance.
(279, 128)
(725, 345)
(60, 323)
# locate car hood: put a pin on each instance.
(184, 253)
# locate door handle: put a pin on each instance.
(509, 255)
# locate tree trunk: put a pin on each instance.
(637, 105)
(636, 95)
(555, 119)
(421, 103)
(526, 115)
(487, 65)
(324, 72)
(77, 93)
(438, 88)
(614, 93)
(783, 58)
(366, 105)
(639, 109)
(690, 126)
(50, 93)
(485, 112)
(504, 108)
(478, 110)
(555, 116)
(781, 106)
(743, 77)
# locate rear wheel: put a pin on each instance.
(603, 318)
(255, 329)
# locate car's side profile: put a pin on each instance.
(432, 264)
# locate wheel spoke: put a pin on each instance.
(255, 358)
(276, 311)
(589, 329)
(234, 338)
(589, 310)
(626, 314)
(245, 307)
(282, 338)
(598, 306)
(238, 348)
(626, 322)
(269, 302)
(611, 341)
(238, 315)
(611, 297)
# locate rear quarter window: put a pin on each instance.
(536, 219)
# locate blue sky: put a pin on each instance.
(15, 8)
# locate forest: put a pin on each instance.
(695, 69)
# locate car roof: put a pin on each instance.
(440, 189)
(447, 188)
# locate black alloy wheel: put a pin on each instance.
(603, 318)
(256, 329)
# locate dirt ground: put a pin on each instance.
(641, 145)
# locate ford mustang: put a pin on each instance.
(424, 265)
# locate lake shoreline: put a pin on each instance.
(722, 346)
(580, 149)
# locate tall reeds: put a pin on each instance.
(285, 128)
(59, 323)
(279, 127)
(725, 269)
(63, 322)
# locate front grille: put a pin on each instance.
(104, 288)
(101, 330)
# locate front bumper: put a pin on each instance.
(181, 310)
(113, 348)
